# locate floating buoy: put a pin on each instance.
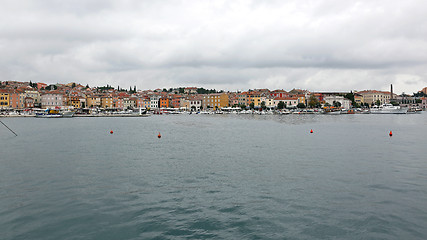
(111, 132)
(159, 136)
(390, 134)
(311, 131)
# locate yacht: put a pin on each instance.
(67, 113)
(388, 108)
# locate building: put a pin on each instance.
(190, 90)
(35, 95)
(269, 102)
(195, 103)
(233, 100)
(164, 102)
(29, 102)
(184, 104)
(301, 98)
(146, 103)
(175, 102)
(107, 102)
(4, 99)
(14, 98)
(358, 99)
(279, 93)
(154, 102)
(424, 102)
(334, 99)
(74, 101)
(93, 101)
(51, 99)
(290, 102)
(118, 102)
(41, 85)
(242, 98)
(129, 103)
(215, 101)
(140, 102)
(372, 96)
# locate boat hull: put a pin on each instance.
(48, 116)
(397, 111)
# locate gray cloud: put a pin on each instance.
(317, 45)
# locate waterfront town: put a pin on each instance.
(26, 97)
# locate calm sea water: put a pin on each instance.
(215, 177)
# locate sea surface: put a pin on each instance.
(214, 177)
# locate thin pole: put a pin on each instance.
(9, 128)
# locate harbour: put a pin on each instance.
(224, 176)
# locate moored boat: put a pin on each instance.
(49, 113)
(388, 108)
(67, 114)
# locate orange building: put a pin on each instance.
(14, 100)
(164, 102)
(215, 101)
(107, 102)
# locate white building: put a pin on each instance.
(290, 102)
(129, 103)
(195, 104)
(154, 102)
(269, 102)
(52, 100)
(331, 99)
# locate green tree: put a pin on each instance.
(263, 105)
(242, 106)
(350, 96)
(251, 105)
(280, 105)
(378, 102)
(301, 105)
(420, 94)
(313, 101)
(51, 87)
(73, 85)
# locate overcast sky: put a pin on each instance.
(319, 45)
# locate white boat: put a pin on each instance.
(338, 112)
(68, 114)
(388, 108)
(49, 113)
(414, 110)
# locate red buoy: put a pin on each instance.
(111, 132)
(390, 134)
(159, 136)
(311, 131)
